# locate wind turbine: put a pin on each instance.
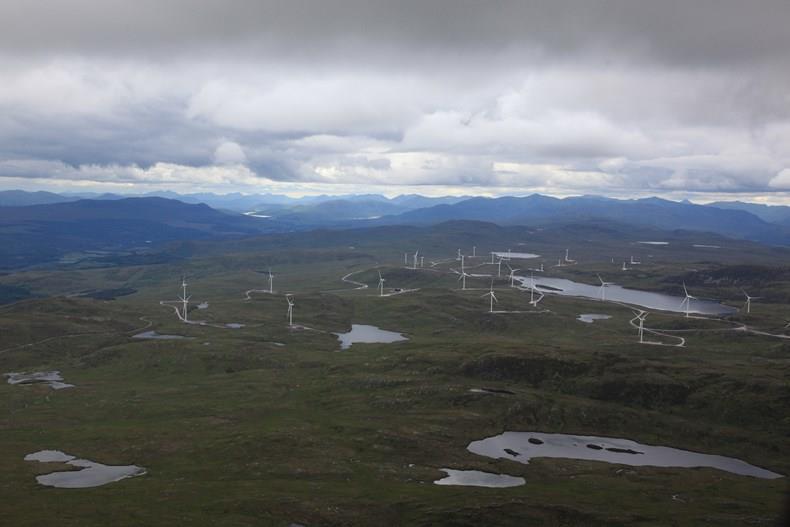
(184, 298)
(635, 262)
(624, 267)
(492, 257)
(462, 278)
(499, 268)
(290, 300)
(749, 301)
(458, 257)
(493, 297)
(271, 281)
(603, 287)
(687, 300)
(422, 261)
(541, 267)
(512, 277)
(464, 274)
(381, 285)
(641, 316)
(406, 259)
(567, 259)
(474, 251)
(416, 254)
(532, 300)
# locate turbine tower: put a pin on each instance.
(687, 300)
(512, 276)
(603, 287)
(474, 251)
(271, 281)
(416, 255)
(641, 316)
(184, 298)
(749, 301)
(464, 274)
(381, 285)
(493, 297)
(290, 300)
(458, 257)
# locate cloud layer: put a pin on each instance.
(612, 97)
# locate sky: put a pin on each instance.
(621, 98)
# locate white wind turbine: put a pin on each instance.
(458, 257)
(290, 300)
(492, 257)
(603, 287)
(474, 251)
(641, 316)
(499, 268)
(567, 258)
(624, 267)
(271, 281)
(687, 300)
(381, 285)
(422, 261)
(416, 255)
(635, 262)
(512, 276)
(184, 298)
(532, 300)
(493, 297)
(464, 274)
(406, 259)
(749, 300)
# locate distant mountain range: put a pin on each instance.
(43, 227)
(45, 233)
(237, 202)
(652, 212)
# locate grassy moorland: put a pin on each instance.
(266, 425)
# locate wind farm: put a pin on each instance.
(475, 327)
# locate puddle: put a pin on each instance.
(367, 335)
(491, 391)
(157, 336)
(589, 318)
(51, 378)
(518, 256)
(523, 446)
(476, 478)
(92, 474)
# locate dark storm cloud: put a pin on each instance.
(569, 96)
(678, 31)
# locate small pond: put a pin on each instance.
(52, 379)
(589, 318)
(157, 336)
(476, 478)
(91, 474)
(367, 335)
(523, 446)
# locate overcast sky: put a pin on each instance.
(622, 98)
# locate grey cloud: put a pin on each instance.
(676, 31)
(574, 95)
